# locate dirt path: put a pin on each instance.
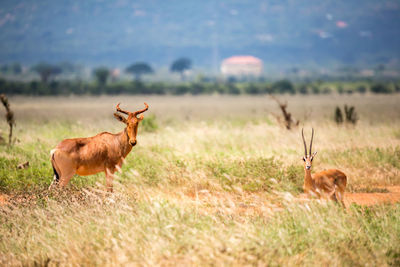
(369, 199)
(365, 199)
(3, 199)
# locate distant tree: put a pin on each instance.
(252, 89)
(101, 74)
(315, 89)
(233, 89)
(283, 86)
(303, 89)
(46, 70)
(361, 89)
(340, 89)
(138, 69)
(180, 65)
(380, 88)
(397, 87)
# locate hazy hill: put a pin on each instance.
(361, 32)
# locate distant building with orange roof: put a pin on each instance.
(242, 66)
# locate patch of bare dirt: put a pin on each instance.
(369, 199)
(3, 199)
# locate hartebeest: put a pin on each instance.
(326, 184)
(103, 152)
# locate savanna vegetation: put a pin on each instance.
(102, 85)
(213, 180)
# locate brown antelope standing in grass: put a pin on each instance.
(326, 184)
(104, 152)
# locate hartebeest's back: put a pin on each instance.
(103, 152)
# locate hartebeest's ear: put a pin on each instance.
(141, 118)
(119, 117)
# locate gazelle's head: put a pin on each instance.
(132, 122)
(308, 158)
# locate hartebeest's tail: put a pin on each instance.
(56, 178)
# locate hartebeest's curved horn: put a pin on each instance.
(312, 136)
(143, 110)
(304, 141)
(122, 111)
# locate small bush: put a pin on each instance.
(350, 115)
(338, 116)
(361, 89)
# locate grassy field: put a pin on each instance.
(214, 180)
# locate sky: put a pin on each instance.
(281, 33)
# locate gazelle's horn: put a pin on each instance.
(122, 111)
(304, 141)
(143, 110)
(312, 136)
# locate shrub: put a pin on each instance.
(326, 90)
(350, 115)
(303, 90)
(182, 89)
(338, 115)
(197, 88)
(233, 89)
(361, 89)
(380, 88)
(315, 89)
(283, 86)
(252, 89)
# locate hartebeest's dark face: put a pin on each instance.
(132, 122)
(132, 128)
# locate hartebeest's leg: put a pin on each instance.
(109, 179)
(64, 179)
(64, 167)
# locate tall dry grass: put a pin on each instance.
(214, 184)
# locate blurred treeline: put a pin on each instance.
(65, 79)
(77, 87)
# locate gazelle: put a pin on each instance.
(329, 183)
(103, 152)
